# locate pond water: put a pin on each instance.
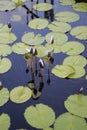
(53, 94)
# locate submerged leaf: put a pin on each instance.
(67, 16)
(5, 121)
(39, 116)
(68, 121)
(5, 50)
(38, 23)
(42, 6)
(77, 105)
(73, 48)
(79, 32)
(4, 96)
(67, 2)
(20, 94)
(81, 7)
(16, 18)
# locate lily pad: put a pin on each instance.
(5, 50)
(49, 128)
(75, 61)
(7, 5)
(59, 38)
(42, 6)
(80, 32)
(4, 96)
(32, 39)
(39, 116)
(59, 27)
(62, 71)
(55, 48)
(81, 7)
(5, 121)
(76, 104)
(41, 50)
(5, 65)
(20, 48)
(67, 16)
(68, 121)
(73, 48)
(4, 28)
(38, 23)
(67, 2)
(20, 94)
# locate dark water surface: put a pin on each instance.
(59, 89)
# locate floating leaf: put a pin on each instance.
(20, 48)
(42, 6)
(16, 18)
(49, 128)
(81, 7)
(7, 5)
(73, 48)
(68, 121)
(20, 94)
(77, 105)
(75, 61)
(5, 50)
(4, 96)
(62, 71)
(55, 48)
(38, 23)
(79, 32)
(41, 51)
(59, 38)
(59, 27)
(67, 16)
(5, 65)
(39, 116)
(67, 2)
(32, 39)
(4, 28)
(4, 121)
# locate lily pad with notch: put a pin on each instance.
(5, 50)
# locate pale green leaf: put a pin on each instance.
(55, 48)
(81, 7)
(41, 50)
(49, 128)
(5, 50)
(67, 2)
(42, 6)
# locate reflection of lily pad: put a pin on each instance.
(38, 23)
(4, 121)
(32, 39)
(77, 105)
(59, 38)
(59, 27)
(67, 16)
(7, 5)
(75, 61)
(20, 94)
(41, 51)
(62, 71)
(79, 32)
(68, 121)
(39, 116)
(19, 48)
(67, 2)
(55, 48)
(42, 6)
(5, 50)
(73, 48)
(5, 65)
(81, 7)
(4, 96)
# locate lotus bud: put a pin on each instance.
(81, 90)
(41, 63)
(52, 39)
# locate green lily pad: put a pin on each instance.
(41, 50)
(5, 121)
(20, 48)
(39, 116)
(55, 48)
(73, 48)
(4, 96)
(5, 50)
(59, 27)
(68, 121)
(49, 128)
(80, 32)
(67, 2)
(7, 5)
(42, 6)
(81, 7)
(38, 23)
(67, 16)
(59, 38)
(20, 94)
(5, 65)
(62, 71)
(76, 104)
(32, 39)
(75, 61)
(4, 28)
